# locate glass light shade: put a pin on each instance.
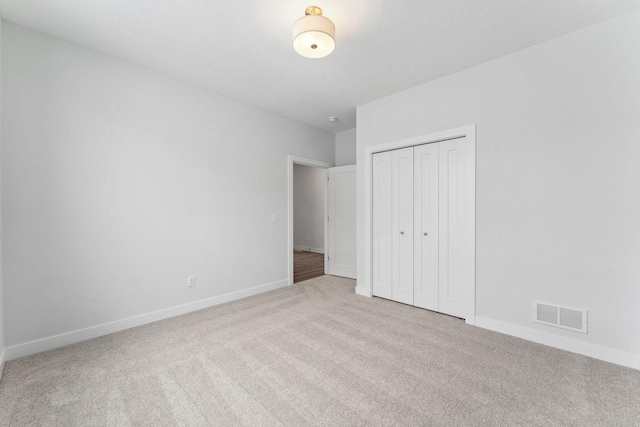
(313, 36)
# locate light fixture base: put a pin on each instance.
(313, 10)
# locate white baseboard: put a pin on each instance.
(73, 337)
(363, 291)
(2, 354)
(308, 249)
(607, 354)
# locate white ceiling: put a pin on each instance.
(242, 48)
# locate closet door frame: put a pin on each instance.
(469, 238)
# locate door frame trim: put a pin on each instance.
(291, 160)
(469, 132)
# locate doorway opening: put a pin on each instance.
(309, 186)
(307, 218)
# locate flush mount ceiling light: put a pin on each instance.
(313, 34)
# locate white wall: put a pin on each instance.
(558, 177)
(346, 147)
(118, 183)
(1, 282)
(308, 207)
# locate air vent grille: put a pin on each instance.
(547, 313)
(559, 316)
(570, 318)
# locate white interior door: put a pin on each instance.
(402, 228)
(453, 295)
(341, 259)
(425, 247)
(382, 220)
(423, 226)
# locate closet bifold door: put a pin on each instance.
(402, 228)
(393, 225)
(382, 224)
(454, 297)
(425, 263)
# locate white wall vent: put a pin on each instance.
(559, 316)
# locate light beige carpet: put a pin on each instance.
(315, 354)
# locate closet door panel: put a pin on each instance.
(382, 225)
(452, 186)
(402, 229)
(425, 263)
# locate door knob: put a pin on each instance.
(425, 233)
(402, 232)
